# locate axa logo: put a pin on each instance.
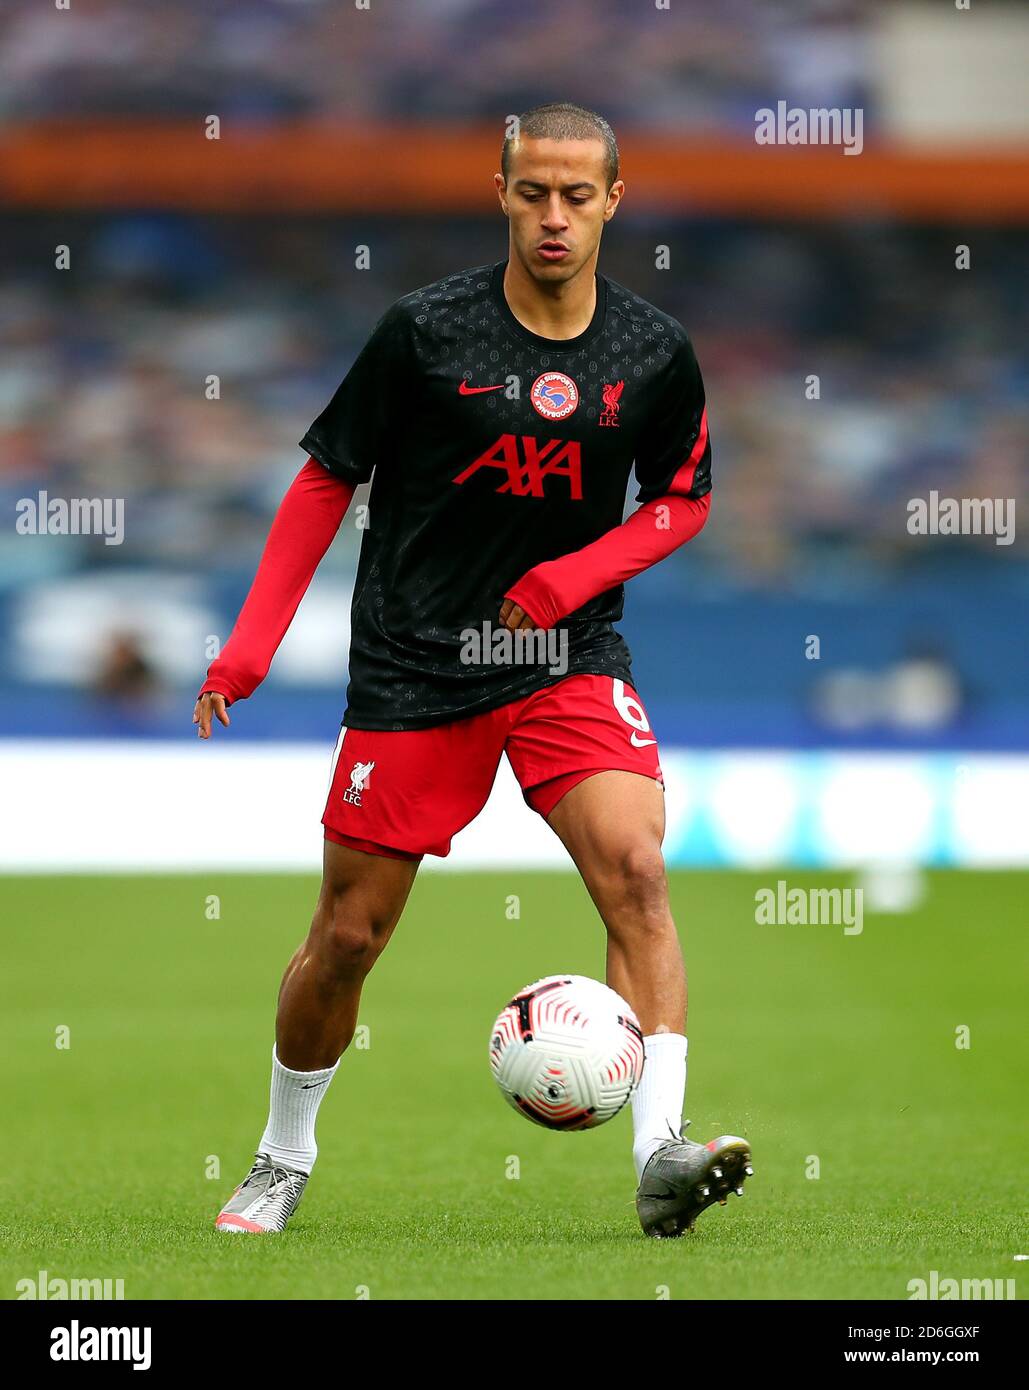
(525, 462)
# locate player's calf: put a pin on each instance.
(360, 903)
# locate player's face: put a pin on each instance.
(556, 200)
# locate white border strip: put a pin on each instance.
(69, 806)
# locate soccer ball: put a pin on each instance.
(567, 1052)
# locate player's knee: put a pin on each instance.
(639, 881)
(348, 935)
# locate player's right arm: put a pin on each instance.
(347, 441)
(308, 518)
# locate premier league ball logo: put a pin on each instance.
(554, 395)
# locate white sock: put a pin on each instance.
(658, 1100)
(296, 1095)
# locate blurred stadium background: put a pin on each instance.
(906, 740)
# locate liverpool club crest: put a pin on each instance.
(612, 394)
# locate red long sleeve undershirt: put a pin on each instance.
(308, 518)
(311, 513)
(552, 590)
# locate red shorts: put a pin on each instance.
(407, 793)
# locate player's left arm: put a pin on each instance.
(673, 468)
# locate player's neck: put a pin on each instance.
(558, 311)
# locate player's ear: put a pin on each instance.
(614, 197)
(500, 184)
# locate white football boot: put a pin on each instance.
(264, 1201)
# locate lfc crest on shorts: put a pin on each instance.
(359, 776)
(611, 395)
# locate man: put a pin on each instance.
(500, 411)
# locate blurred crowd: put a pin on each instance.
(178, 361)
(851, 367)
(689, 65)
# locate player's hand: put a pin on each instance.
(208, 705)
(515, 619)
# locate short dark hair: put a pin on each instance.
(562, 120)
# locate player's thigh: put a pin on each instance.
(361, 893)
(612, 824)
(608, 815)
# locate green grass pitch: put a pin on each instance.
(806, 1040)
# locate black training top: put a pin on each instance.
(494, 449)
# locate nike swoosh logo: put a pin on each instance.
(310, 1085)
(465, 390)
(638, 742)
